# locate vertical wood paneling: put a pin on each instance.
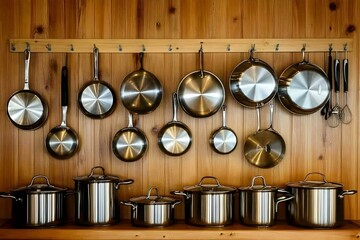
(311, 144)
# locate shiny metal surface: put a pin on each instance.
(253, 82)
(25, 108)
(97, 99)
(141, 91)
(223, 140)
(96, 203)
(130, 143)
(175, 137)
(303, 88)
(201, 93)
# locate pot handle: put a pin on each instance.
(93, 169)
(40, 176)
(347, 192)
(8, 195)
(150, 190)
(256, 177)
(323, 176)
(126, 203)
(124, 182)
(180, 193)
(202, 179)
(175, 203)
(288, 196)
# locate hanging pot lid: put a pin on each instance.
(210, 188)
(91, 178)
(39, 187)
(316, 184)
(258, 188)
(153, 199)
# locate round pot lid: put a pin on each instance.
(258, 188)
(316, 184)
(39, 187)
(210, 188)
(153, 199)
(92, 177)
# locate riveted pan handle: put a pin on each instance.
(180, 193)
(127, 203)
(8, 195)
(96, 63)
(347, 192)
(288, 196)
(27, 64)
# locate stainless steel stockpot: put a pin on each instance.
(152, 210)
(96, 198)
(210, 205)
(38, 204)
(317, 204)
(258, 204)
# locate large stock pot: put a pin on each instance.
(210, 205)
(317, 204)
(96, 198)
(38, 204)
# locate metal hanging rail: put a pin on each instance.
(179, 45)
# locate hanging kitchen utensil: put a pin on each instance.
(129, 144)
(97, 99)
(62, 142)
(253, 82)
(26, 108)
(141, 91)
(265, 148)
(224, 139)
(334, 118)
(175, 137)
(326, 110)
(201, 93)
(303, 87)
(346, 115)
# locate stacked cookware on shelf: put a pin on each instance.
(310, 203)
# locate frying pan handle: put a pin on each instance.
(174, 99)
(224, 115)
(337, 73)
(141, 60)
(271, 107)
(201, 61)
(330, 62)
(346, 74)
(258, 118)
(27, 64)
(130, 116)
(64, 86)
(96, 63)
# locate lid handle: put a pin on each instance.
(93, 169)
(256, 177)
(312, 173)
(39, 176)
(203, 178)
(150, 190)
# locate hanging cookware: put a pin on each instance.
(326, 110)
(224, 139)
(141, 91)
(346, 115)
(96, 198)
(210, 205)
(130, 144)
(201, 93)
(317, 204)
(97, 99)
(335, 112)
(303, 87)
(265, 148)
(26, 108)
(38, 204)
(258, 204)
(253, 82)
(62, 142)
(152, 210)
(175, 137)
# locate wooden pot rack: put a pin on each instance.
(180, 45)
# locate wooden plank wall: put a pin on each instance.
(311, 144)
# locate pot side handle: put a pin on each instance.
(175, 203)
(288, 196)
(347, 192)
(126, 203)
(180, 193)
(124, 182)
(8, 195)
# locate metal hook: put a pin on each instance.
(170, 48)
(27, 46)
(252, 50)
(228, 48)
(143, 48)
(119, 48)
(330, 47)
(277, 47)
(48, 47)
(13, 47)
(71, 47)
(303, 51)
(345, 49)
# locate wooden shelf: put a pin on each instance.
(179, 230)
(179, 45)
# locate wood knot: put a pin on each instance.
(158, 25)
(172, 10)
(332, 6)
(155, 130)
(351, 28)
(39, 29)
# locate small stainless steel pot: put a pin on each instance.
(96, 198)
(210, 205)
(317, 204)
(152, 211)
(38, 204)
(258, 204)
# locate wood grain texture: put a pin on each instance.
(311, 144)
